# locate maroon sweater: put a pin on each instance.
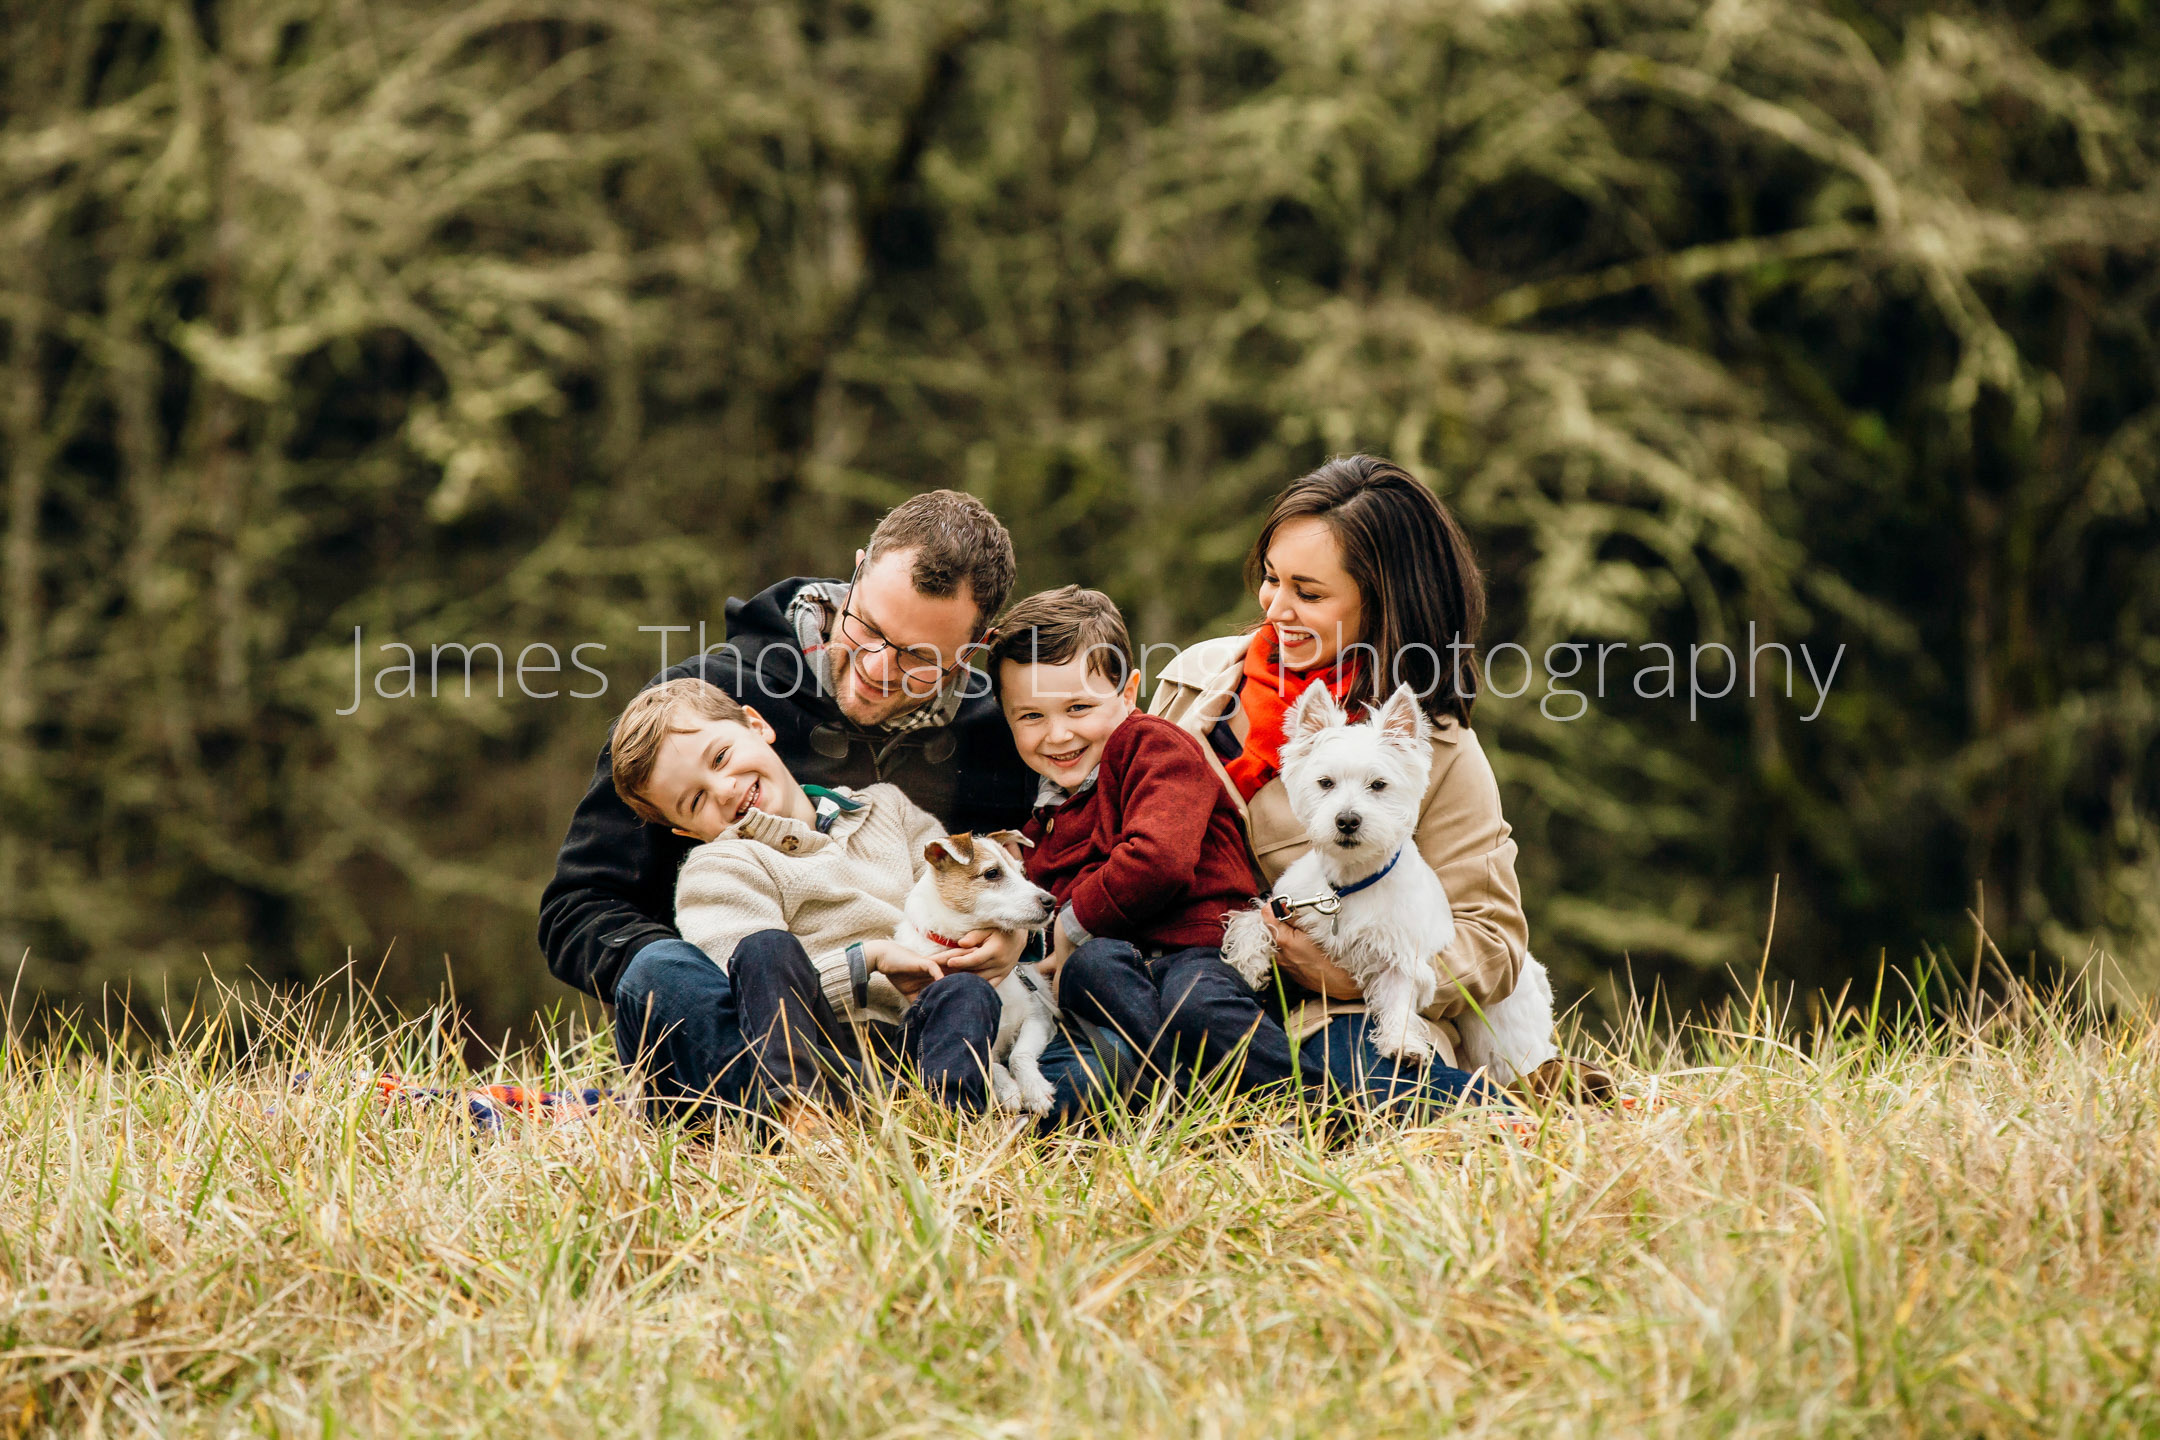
(1153, 852)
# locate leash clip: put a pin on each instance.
(1282, 907)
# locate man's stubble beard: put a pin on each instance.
(848, 695)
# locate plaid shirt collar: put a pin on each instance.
(1049, 794)
(814, 610)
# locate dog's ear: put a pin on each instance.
(1011, 841)
(1315, 711)
(1402, 721)
(954, 852)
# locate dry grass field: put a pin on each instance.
(1929, 1228)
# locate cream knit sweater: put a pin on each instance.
(830, 890)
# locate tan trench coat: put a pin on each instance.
(1461, 834)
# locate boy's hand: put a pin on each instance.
(988, 953)
(908, 971)
(1053, 964)
(1061, 949)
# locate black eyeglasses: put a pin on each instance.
(923, 664)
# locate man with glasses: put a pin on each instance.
(863, 681)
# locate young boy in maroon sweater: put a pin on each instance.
(1132, 831)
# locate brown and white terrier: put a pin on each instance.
(976, 882)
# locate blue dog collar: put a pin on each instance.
(1373, 879)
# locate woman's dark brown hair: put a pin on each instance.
(1416, 577)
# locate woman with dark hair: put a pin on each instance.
(1365, 582)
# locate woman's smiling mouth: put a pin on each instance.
(1290, 637)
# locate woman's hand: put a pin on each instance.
(908, 971)
(988, 953)
(1300, 957)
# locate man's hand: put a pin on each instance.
(988, 953)
(1300, 957)
(908, 971)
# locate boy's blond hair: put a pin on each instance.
(647, 722)
(1053, 626)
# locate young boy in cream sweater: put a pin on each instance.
(796, 892)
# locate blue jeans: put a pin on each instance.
(1086, 1074)
(1351, 1071)
(676, 1020)
(802, 1048)
(1111, 1038)
(682, 1020)
(1218, 1024)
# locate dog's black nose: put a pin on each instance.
(1347, 824)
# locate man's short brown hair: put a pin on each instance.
(646, 723)
(957, 541)
(1052, 627)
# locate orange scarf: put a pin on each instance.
(1267, 694)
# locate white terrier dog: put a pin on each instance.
(1367, 896)
(977, 883)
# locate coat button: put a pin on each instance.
(791, 844)
(1050, 826)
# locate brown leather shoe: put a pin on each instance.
(1566, 1078)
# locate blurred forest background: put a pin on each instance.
(525, 321)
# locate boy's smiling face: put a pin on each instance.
(711, 773)
(1062, 715)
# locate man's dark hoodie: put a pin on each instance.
(614, 886)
